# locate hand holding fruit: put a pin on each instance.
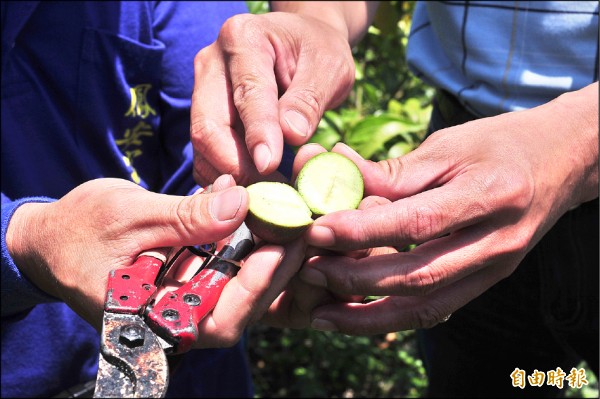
(327, 183)
(476, 197)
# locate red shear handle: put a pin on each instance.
(177, 315)
(129, 289)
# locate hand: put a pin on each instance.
(68, 247)
(476, 197)
(267, 79)
(264, 274)
(294, 307)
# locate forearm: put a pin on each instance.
(352, 18)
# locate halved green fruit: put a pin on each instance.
(277, 213)
(330, 182)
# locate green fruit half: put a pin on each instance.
(277, 213)
(330, 182)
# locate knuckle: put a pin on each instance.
(421, 222)
(519, 243)
(522, 191)
(420, 282)
(247, 87)
(201, 55)
(308, 100)
(361, 233)
(342, 277)
(347, 283)
(202, 131)
(347, 74)
(229, 337)
(236, 27)
(185, 225)
(514, 244)
(507, 188)
(391, 168)
(429, 315)
(342, 67)
(389, 178)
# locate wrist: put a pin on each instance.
(350, 18)
(24, 245)
(578, 112)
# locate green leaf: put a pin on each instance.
(370, 134)
(257, 7)
(399, 149)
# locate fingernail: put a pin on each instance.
(320, 236)
(226, 204)
(262, 157)
(323, 325)
(313, 277)
(297, 123)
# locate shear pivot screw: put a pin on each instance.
(170, 314)
(132, 335)
(191, 299)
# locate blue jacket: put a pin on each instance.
(90, 90)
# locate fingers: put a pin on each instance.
(293, 308)
(399, 313)
(218, 148)
(235, 122)
(243, 110)
(424, 269)
(469, 198)
(320, 82)
(254, 88)
(246, 297)
(372, 201)
(220, 140)
(294, 257)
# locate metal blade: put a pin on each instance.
(132, 362)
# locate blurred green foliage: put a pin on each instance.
(385, 116)
(312, 364)
(387, 112)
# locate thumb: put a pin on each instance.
(197, 219)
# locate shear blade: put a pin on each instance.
(132, 361)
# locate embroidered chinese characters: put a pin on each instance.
(131, 143)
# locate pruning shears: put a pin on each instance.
(140, 330)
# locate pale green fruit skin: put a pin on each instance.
(269, 223)
(317, 175)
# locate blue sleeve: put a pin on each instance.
(18, 293)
